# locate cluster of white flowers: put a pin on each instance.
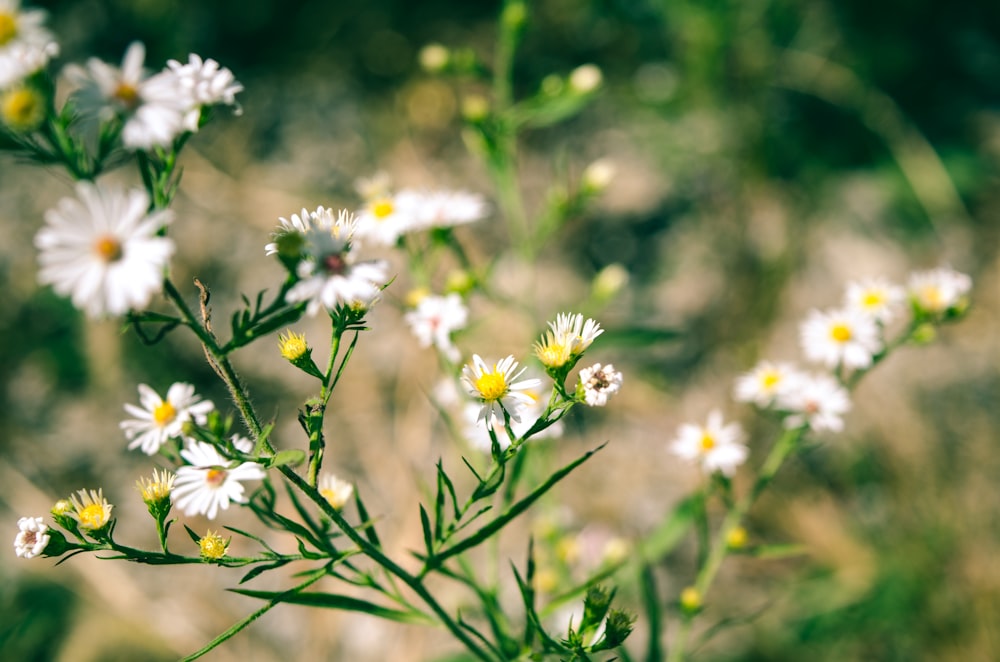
(387, 215)
(850, 338)
(330, 274)
(26, 46)
(156, 109)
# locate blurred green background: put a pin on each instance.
(767, 151)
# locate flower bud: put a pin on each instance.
(434, 58)
(213, 547)
(585, 79)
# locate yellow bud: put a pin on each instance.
(737, 538)
(690, 599)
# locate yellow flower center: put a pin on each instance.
(491, 385)
(215, 477)
(872, 299)
(8, 28)
(93, 516)
(164, 413)
(382, 209)
(932, 297)
(128, 94)
(108, 249)
(21, 109)
(770, 379)
(840, 332)
(553, 355)
(212, 546)
(707, 442)
(292, 346)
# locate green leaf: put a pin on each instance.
(776, 551)
(334, 601)
(254, 572)
(194, 536)
(425, 522)
(367, 523)
(516, 509)
(292, 457)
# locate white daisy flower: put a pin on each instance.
(496, 389)
(840, 337)
(290, 235)
(571, 330)
(31, 538)
(716, 446)
(434, 320)
(441, 209)
(384, 218)
(330, 276)
(938, 290)
(102, 249)
(529, 412)
(875, 297)
(242, 444)
(160, 419)
(336, 491)
(209, 484)
(153, 107)
(204, 83)
(764, 383)
(815, 400)
(25, 44)
(599, 383)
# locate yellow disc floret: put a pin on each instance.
(840, 332)
(213, 546)
(164, 413)
(707, 442)
(108, 248)
(292, 345)
(22, 108)
(491, 385)
(382, 209)
(8, 28)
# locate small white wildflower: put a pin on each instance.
(716, 446)
(102, 249)
(336, 491)
(840, 337)
(496, 389)
(209, 484)
(25, 44)
(764, 383)
(159, 419)
(875, 297)
(442, 209)
(383, 219)
(599, 383)
(31, 538)
(817, 400)
(91, 510)
(938, 290)
(529, 411)
(205, 83)
(330, 276)
(585, 78)
(434, 320)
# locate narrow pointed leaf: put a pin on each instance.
(334, 601)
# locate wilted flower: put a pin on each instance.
(599, 383)
(32, 537)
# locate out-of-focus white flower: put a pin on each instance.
(938, 290)
(153, 108)
(841, 337)
(102, 249)
(336, 491)
(205, 83)
(435, 318)
(764, 383)
(599, 383)
(330, 276)
(496, 389)
(32, 537)
(875, 297)
(716, 446)
(384, 218)
(25, 44)
(209, 484)
(585, 78)
(160, 419)
(817, 400)
(442, 209)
